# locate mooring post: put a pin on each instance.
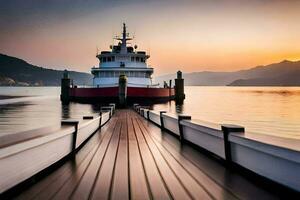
(100, 120)
(182, 117)
(179, 88)
(107, 108)
(142, 111)
(139, 109)
(170, 88)
(135, 105)
(148, 111)
(227, 129)
(65, 88)
(114, 107)
(162, 119)
(122, 90)
(74, 138)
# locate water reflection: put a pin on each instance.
(179, 108)
(35, 114)
(65, 111)
(267, 110)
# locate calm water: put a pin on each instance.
(42, 109)
(266, 110)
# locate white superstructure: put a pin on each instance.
(122, 59)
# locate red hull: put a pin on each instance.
(112, 93)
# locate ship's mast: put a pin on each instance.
(124, 45)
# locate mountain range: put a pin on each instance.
(285, 73)
(17, 72)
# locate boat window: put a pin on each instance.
(104, 59)
(132, 59)
(137, 59)
(142, 59)
(108, 59)
(113, 58)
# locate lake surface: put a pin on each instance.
(265, 110)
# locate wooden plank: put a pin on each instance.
(120, 185)
(101, 189)
(138, 182)
(201, 188)
(202, 178)
(156, 183)
(85, 185)
(62, 181)
(232, 183)
(71, 184)
(64, 171)
(174, 185)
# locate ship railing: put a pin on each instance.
(272, 157)
(93, 86)
(148, 86)
(116, 85)
(25, 154)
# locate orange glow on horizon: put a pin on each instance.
(192, 37)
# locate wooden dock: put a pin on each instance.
(131, 158)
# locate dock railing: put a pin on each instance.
(39, 148)
(275, 158)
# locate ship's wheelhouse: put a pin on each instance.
(122, 60)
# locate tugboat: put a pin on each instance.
(122, 76)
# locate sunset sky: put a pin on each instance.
(191, 35)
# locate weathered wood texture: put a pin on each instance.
(131, 158)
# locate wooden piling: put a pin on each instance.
(122, 90)
(179, 88)
(65, 88)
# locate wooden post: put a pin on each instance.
(162, 120)
(122, 90)
(170, 88)
(135, 105)
(65, 88)
(182, 117)
(179, 88)
(114, 107)
(107, 108)
(100, 120)
(227, 129)
(75, 124)
(148, 114)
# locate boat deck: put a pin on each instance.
(131, 158)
